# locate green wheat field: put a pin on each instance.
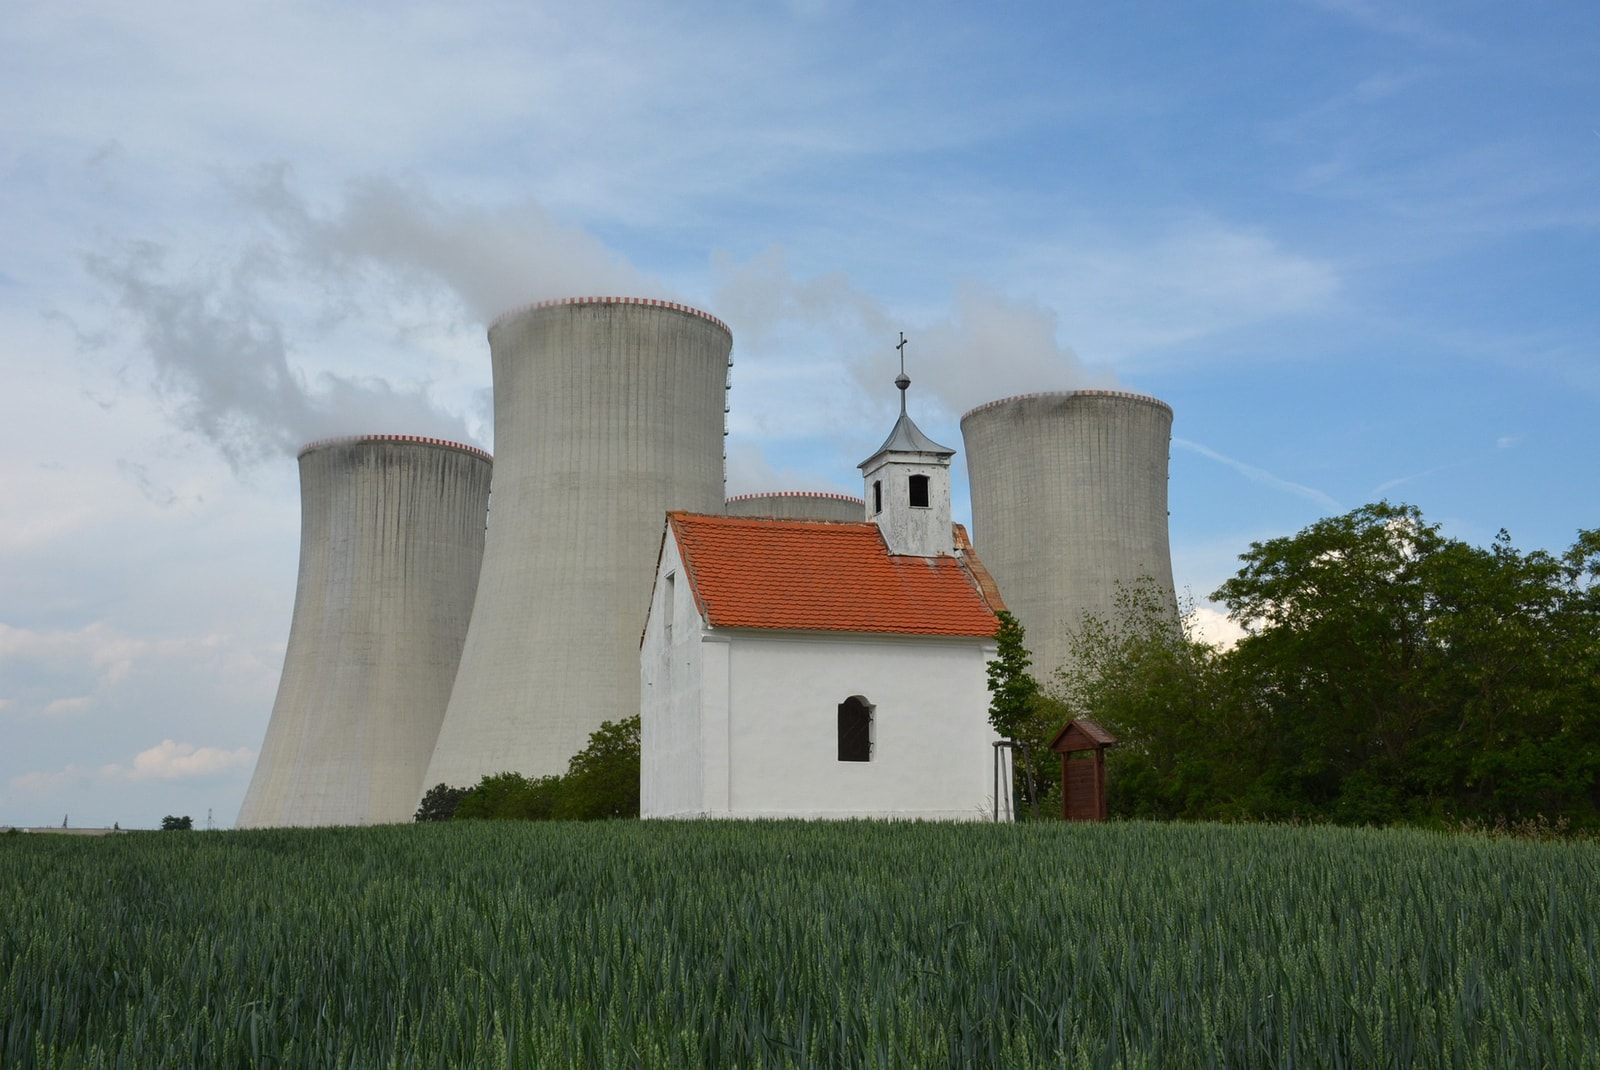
(663, 944)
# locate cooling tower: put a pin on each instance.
(608, 412)
(798, 505)
(392, 534)
(1069, 498)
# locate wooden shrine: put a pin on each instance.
(1082, 745)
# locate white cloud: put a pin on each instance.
(92, 662)
(112, 654)
(1214, 627)
(1121, 297)
(46, 783)
(171, 760)
(166, 761)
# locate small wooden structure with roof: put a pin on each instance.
(1082, 745)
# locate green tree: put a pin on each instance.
(1395, 674)
(510, 797)
(171, 823)
(440, 803)
(1141, 673)
(1012, 689)
(1020, 712)
(603, 779)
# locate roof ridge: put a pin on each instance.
(977, 570)
(795, 574)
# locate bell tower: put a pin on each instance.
(907, 485)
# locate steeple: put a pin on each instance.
(907, 484)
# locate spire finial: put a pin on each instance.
(902, 380)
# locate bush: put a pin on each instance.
(602, 781)
(510, 796)
(440, 803)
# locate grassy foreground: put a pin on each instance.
(773, 944)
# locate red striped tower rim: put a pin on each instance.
(1123, 394)
(423, 440)
(830, 495)
(649, 302)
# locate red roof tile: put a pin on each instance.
(755, 572)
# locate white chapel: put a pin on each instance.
(823, 669)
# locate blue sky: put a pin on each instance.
(1355, 246)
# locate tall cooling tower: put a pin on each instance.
(392, 533)
(798, 505)
(1069, 498)
(608, 412)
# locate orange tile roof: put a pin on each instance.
(756, 572)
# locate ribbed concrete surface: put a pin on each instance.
(1069, 496)
(799, 505)
(608, 412)
(392, 536)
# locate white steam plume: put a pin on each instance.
(993, 347)
(221, 360)
(231, 342)
(989, 347)
(491, 260)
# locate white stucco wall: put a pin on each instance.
(670, 687)
(744, 723)
(931, 753)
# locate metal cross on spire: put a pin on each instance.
(902, 380)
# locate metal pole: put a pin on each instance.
(1033, 788)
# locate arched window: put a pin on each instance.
(877, 496)
(855, 730)
(919, 492)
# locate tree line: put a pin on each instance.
(601, 781)
(1388, 674)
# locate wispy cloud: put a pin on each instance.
(1389, 484)
(1261, 475)
(1391, 20)
(86, 663)
(168, 760)
(1121, 297)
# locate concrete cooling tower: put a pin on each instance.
(392, 535)
(608, 412)
(1069, 498)
(798, 505)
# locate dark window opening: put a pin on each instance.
(877, 495)
(919, 492)
(855, 730)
